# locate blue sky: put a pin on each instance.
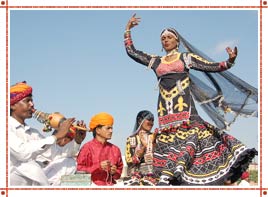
(76, 62)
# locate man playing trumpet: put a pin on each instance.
(61, 158)
(25, 142)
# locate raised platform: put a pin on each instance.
(76, 180)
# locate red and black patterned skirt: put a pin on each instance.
(197, 153)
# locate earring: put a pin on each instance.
(178, 46)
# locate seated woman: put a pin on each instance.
(139, 151)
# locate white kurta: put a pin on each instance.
(61, 161)
(25, 144)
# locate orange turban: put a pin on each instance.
(19, 91)
(101, 119)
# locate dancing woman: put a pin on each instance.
(189, 150)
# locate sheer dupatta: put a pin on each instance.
(223, 96)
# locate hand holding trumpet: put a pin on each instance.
(64, 128)
(59, 122)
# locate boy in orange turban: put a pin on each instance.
(25, 142)
(99, 157)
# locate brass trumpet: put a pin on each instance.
(53, 120)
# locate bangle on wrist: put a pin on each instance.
(137, 155)
(230, 63)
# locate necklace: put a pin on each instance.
(172, 52)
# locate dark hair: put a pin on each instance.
(94, 130)
(94, 133)
(143, 114)
(11, 111)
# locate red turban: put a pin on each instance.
(101, 119)
(19, 91)
(245, 175)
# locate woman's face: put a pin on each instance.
(147, 125)
(169, 42)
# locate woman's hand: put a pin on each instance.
(133, 21)
(143, 137)
(140, 153)
(232, 54)
(148, 158)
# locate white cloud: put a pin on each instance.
(220, 47)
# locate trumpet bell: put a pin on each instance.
(53, 120)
